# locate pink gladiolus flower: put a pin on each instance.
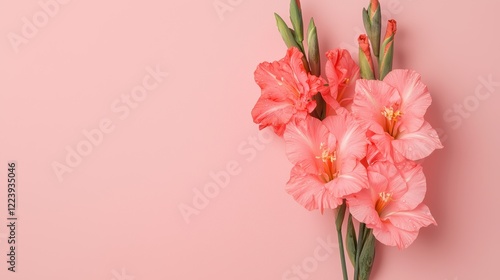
(393, 110)
(287, 91)
(392, 206)
(341, 72)
(326, 156)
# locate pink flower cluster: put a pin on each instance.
(363, 152)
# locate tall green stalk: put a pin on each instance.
(338, 222)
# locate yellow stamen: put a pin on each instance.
(329, 166)
(382, 202)
(392, 117)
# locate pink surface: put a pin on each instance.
(97, 70)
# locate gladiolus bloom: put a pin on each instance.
(341, 73)
(393, 110)
(287, 92)
(326, 155)
(392, 205)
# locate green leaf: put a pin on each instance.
(367, 257)
(350, 239)
(387, 49)
(366, 21)
(340, 215)
(387, 57)
(313, 51)
(286, 33)
(365, 68)
(376, 27)
(296, 19)
(373, 26)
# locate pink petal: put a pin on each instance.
(380, 148)
(276, 113)
(370, 100)
(415, 97)
(397, 185)
(417, 187)
(411, 220)
(418, 144)
(379, 178)
(303, 141)
(351, 136)
(316, 85)
(349, 182)
(286, 77)
(361, 207)
(286, 91)
(309, 191)
(393, 236)
(341, 72)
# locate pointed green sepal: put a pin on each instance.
(367, 257)
(387, 49)
(286, 33)
(386, 62)
(366, 71)
(340, 215)
(296, 19)
(365, 58)
(313, 49)
(372, 20)
(376, 32)
(366, 21)
(350, 239)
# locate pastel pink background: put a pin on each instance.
(116, 215)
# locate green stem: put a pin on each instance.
(361, 241)
(338, 222)
(342, 255)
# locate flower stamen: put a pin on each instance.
(392, 118)
(329, 163)
(384, 199)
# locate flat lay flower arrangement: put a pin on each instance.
(354, 134)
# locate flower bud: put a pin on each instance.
(286, 33)
(372, 18)
(365, 58)
(289, 38)
(296, 19)
(313, 50)
(387, 49)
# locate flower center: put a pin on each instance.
(384, 199)
(329, 163)
(342, 87)
(392, 117)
